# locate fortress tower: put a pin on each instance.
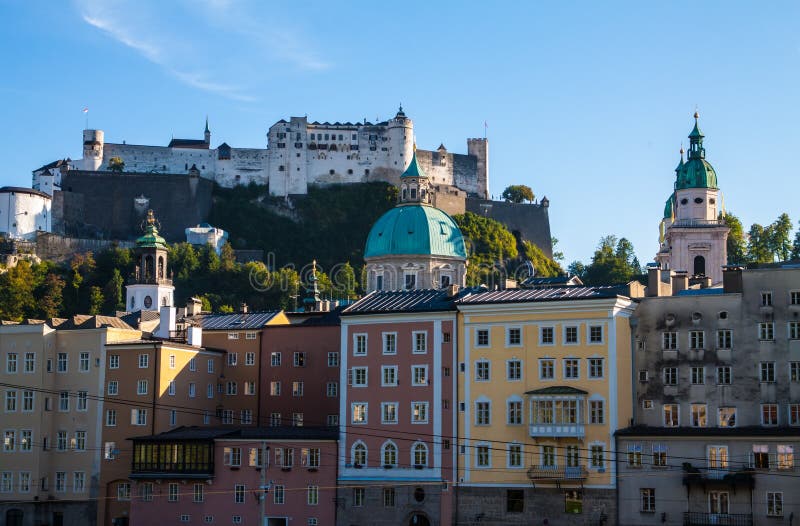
(693, 236)
(401, 140)
(92, 149)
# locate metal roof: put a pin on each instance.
(415, 229)
(557, 390)
(685, 431)
(541, 294)
(240, 321)
(386, 301)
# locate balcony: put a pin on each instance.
(698, 223)
(556, 412)
(743, 476)
(557, 474)
(717, 519)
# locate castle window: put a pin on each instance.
(331, 172)
(366, 171)
(350, 171)
(281, 168)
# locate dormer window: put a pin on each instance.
(413, 193)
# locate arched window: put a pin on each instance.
(389, 454)
(699, 266)
(161, 267)
(149, 265)
(419, 454)
(359, 454)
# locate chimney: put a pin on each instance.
(243, 308)
(680, 281)
(193, 307)
(732, 278)
(706, 283)
(167, 324)
(652, 281)
(194, 336)
(452, 290)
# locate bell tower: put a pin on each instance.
(149, 288)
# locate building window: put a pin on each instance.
(275, 359)
(634, 455)
(766, 331)
(570, 335)
(571, 368)
(279, 497)
(648, 500)
(297, 389)
(233, 335)
(197, 493)
(515, 455)
(596, 412)
(482, 337)
(769, 414)
(63, 401)
(659, 455)
(546, 336)
(482, 371)
(513, 370)
(389, 375)
(483, 412)
(123, 490)
(671, 415)
(359, 496)
(233, 358)
(275, 419)
(727, 417)
(597, 456)
(193, 364)
(419, 375)
(514, 412)
(144, 361)
(794, 330)
(249, 387)
(359, 412)
(210, 366)
(238, 493)
(11, 401)
(141, 387)
(333, 359)
(359, 345)
(389, 454)
(299, 359)
(515, 336)
(696, 340)
(785, 456)
(30, 362)
(360, 454)
(596, 368)
(388, 412)
(670, 375)
(767, 372)
(419, 454)
(724, 339)
(11, 363)
(139, 417)
(419, 412)
(332, 389)
(669, 341)
(724, 375)
(482, 458)
(775, 504)
(766, 299)
(596, 334)
(420, 342)
(546, 369)
(388, 497)
(698, 375)
(359, 377)
(698, 415)
(83, 362)
(515, 501)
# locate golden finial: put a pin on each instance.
(682, 150)
(151, 218)
(696, 115)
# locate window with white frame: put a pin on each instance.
(785, 459)
(419, 454)
(419, 375)
(61, 362)
(359, 376)
(210, 366)
(670, 375)
(251, 335)
(11, 363)
(547, 456)
(669, 341)
(697, 375)
(193, 364)
(483, 413)
(30, 362)
(671, 415)
(483, 457)
(647, 498)
(726, 417)
(597, 456)
(82, 402)
(596, 366)
(333, 359)
(546, 336)
(139, 417)
(698, 415)
(767, 372)
(250, 358)
(124, 491)
(359, 453)
(113, 387)
(233, 335)
(514, 412)
(571, 368)
(659, 455)
(279, 494)
(250, 387)
(359, 345)
(419, 412)
(513, 370)
(794, 330)
(514, 336)
(794, 414)
(766, 331)
(83, 362)
(332, 389)
(482, 371)
(596, 412)
(595, 334)
(275, 359)
(724, 339)
(141, 387)
(514, 455)
(696, 340)
(724, 375)
(634, 455)
(389, 343)
(359, 412)
(547, 369)
(275, 388)
(482, 337)
(144, 361)
(571, 335)
(389, 375)
(297, 388)
(233, 358)
(775, 504)
(420, 339)
(769, 414)
(388, 412)
(299, 359)
(389, 454)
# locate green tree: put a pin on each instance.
(613, 262)
(345, 284)
(558, 256)
(517, 193)
(116, 164)
(51, 296)
(737, 247)
(227, 257)
(779, 237)
(758, 250)
(544, 266)
(112, 293)
(487, 240)
(16, 292)
(796, 245)
(96, 300)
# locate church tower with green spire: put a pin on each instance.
(150, 288)
(693, 235)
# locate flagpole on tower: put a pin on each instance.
(485, 126)
(86, 113)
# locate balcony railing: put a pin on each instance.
(698, 223)
(558, 429)
(556, 474)
(717, 519)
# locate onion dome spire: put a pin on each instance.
(696, 150)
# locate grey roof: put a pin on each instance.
(557, 390)
(557, 280)
(541, 294)
(221, 322)
(388, 301)
(22, 190)
(188, 143)
(276, 433)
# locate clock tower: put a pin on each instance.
(149, 288)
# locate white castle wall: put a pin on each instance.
(24, 212)
(300, 153)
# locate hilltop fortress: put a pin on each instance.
(298, 154)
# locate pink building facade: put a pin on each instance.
(397, 406)
(270, 476)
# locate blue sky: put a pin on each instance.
(586, 102)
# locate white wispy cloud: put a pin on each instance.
(186, 56)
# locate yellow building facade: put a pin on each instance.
(544, 382)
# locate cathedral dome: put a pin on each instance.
(696, 173)
(415, 229)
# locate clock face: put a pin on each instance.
(148, 302)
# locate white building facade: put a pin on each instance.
(24, 212)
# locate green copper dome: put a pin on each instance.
(151, 238)
(669, 206)
(415, 229)
(696, 172)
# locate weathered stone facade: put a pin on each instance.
(406, 510)
(66, 513)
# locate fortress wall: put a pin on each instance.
(465, 173)
(178, 200)
(57, 248)
(530, 220)
(146, 159)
